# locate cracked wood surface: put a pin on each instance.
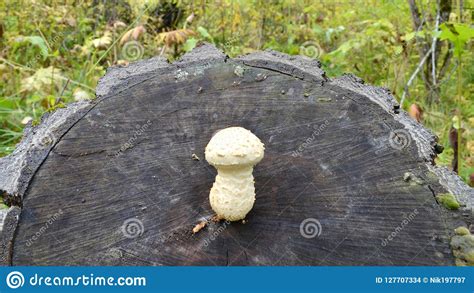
(126, 158)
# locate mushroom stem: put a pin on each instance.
(233, 194)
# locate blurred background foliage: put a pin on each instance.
(53, 52)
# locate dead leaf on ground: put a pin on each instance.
(199, 226)
(415, 112)
(119, 24)
(133, 34)
(102, 42)
(176, 37)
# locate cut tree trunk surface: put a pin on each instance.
(347, 177)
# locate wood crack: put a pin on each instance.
(77, 155)
(322, 81)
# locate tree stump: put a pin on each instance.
(347, 178)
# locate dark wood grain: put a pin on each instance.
(129, 156)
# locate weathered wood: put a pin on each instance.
(126, 158)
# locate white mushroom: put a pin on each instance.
(233, 152)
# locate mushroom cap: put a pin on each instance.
(234, 146)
